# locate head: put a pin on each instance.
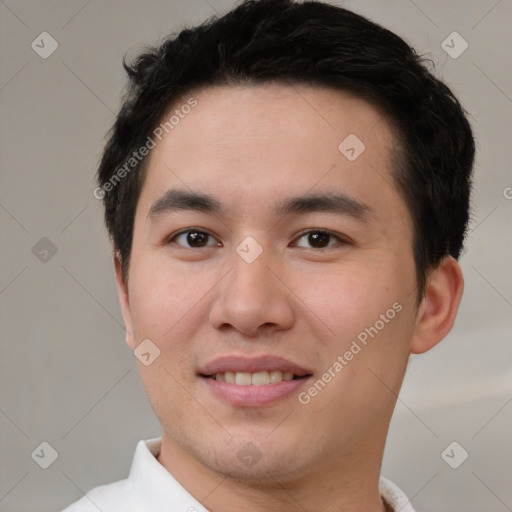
(287, 116)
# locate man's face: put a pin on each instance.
(323, 279)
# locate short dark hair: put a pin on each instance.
(317, 44)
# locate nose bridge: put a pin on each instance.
(251, 277)
(251, 295)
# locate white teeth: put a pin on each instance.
(230, 377)
(260, 378)
(254, 379)
(243, 379)
(276, 376)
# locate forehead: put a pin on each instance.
(279, 117)
(255, 143)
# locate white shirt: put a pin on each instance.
(151, 488)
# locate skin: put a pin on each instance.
(251, 147)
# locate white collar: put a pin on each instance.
(145, 463)
(151, 488)
(151, 481)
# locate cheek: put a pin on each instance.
(165, 302)
(347, 298)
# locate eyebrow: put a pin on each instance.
(333, 202)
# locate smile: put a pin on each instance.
(254, 379)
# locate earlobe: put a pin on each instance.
(124, 300)
(437, 311)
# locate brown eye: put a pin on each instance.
(192, 239)
(319, 239)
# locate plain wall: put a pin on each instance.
(67, 376)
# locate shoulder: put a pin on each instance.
(394, 496)
(106, 498)
(126, 495)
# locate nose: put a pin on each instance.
(253, 298)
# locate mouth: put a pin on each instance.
(262, 378)
(253, 382)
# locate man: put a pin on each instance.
(287, 191)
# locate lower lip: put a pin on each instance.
(254, 396)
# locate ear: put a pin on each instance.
(124, 299)
(439, 306)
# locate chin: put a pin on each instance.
(268, 472)
(253, 460)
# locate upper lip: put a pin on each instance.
(234, 363)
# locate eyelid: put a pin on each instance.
(342, 239)
(170, 238)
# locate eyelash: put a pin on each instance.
(341, 240)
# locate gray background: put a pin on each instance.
(66, 374)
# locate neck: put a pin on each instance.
(344, 483)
